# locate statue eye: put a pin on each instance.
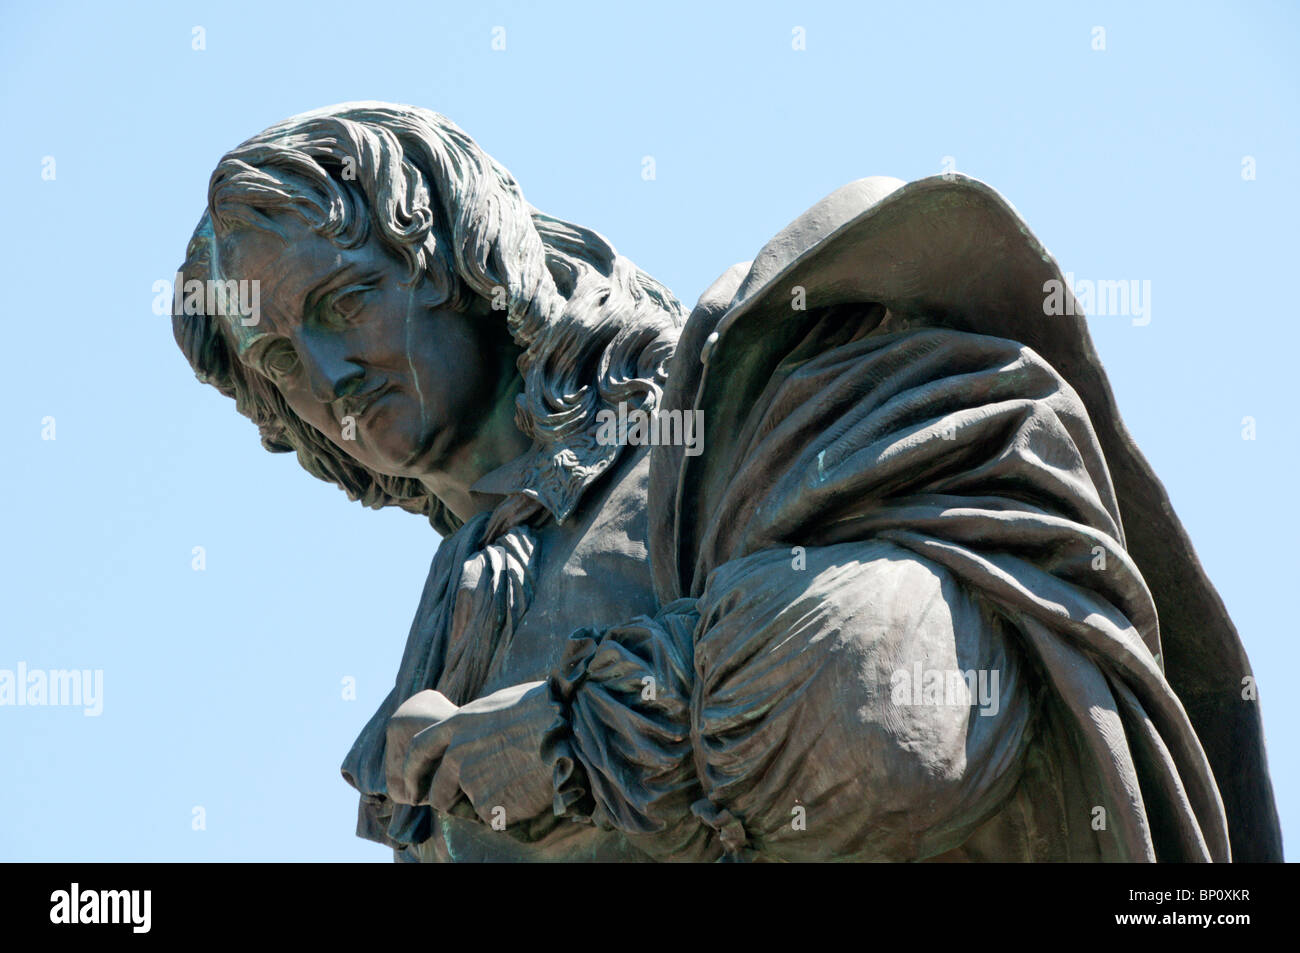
(348, 302)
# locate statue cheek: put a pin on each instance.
(312, 411)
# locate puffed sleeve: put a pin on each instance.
(851, 701)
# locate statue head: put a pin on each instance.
(418, 323)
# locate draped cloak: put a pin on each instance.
(907, 465)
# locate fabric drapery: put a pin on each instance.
(956, 469)
(474, 598)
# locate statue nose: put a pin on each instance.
(329, 374)
(329, 385)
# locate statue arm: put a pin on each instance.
(774, 716)
(806, 737)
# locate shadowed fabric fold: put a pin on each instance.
(622, 747)
(473, 599)
(971, 454)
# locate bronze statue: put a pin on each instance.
(854, 561)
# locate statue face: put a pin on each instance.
(396, 381)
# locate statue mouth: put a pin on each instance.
(354, 405)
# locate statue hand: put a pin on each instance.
(422, 710)
(482, 759)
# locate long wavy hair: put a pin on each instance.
(595, 331)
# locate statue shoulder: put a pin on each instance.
(810, 228)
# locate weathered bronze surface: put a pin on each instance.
(856, 560)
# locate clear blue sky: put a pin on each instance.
(222, 688)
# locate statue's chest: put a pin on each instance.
(596, 576)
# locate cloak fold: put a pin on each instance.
(922, 396)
